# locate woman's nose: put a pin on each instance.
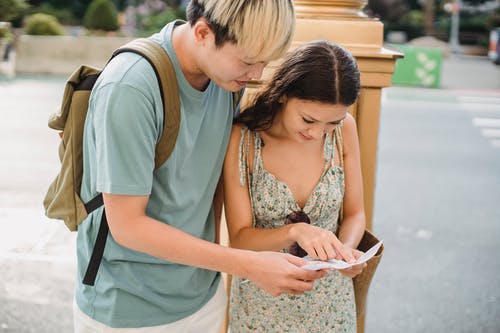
(316, 132)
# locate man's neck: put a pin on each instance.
(185, 49)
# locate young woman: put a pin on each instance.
(293, 163)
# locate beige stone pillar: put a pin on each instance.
(343, 22)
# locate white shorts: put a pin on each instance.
(206, 320)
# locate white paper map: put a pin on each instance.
(314, 265)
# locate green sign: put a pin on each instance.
(419, 67)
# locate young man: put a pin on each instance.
(159, 272)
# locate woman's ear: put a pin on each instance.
(282, 99)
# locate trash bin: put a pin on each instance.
(419, 67)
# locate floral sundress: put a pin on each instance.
(330, 306)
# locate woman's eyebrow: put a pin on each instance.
(313, 119)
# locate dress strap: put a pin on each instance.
(243, 154)
(257, 148)
(337, 139)
(244, 163)
(340, 146)
(249, 152)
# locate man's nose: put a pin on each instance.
(256, 70)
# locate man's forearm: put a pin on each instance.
(218, 201)
(166, 242)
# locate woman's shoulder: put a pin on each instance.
(236, 132)
(348, 128)
(349, 123)
(238, 127)
(349, 133)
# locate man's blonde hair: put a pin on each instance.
(263, 28)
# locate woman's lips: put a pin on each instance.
(306, 137)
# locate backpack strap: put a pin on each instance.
(169, 91)
(100, 242)
(156, 55)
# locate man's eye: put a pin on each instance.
(307, 121)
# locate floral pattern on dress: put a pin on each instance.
(330, 306)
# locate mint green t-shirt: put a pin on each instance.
(124, 122)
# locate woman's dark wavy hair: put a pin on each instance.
(318, 71)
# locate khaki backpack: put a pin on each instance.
(62, 200)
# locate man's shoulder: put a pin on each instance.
(127, 68)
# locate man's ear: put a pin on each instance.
(202, 31)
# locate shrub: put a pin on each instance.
(10, 9)
(43, 24)
(5, 33)
(101, 15)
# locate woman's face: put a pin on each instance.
(306, 121)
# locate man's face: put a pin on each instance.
(230, 67)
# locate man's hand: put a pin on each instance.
(279, 273)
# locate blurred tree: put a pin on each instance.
(146, 17)
(101, 15)
(11, 9)
(387, 10)
(493, 20)
(43, 24)
(429, 17)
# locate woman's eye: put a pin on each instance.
(307, 121)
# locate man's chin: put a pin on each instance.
(232, 86)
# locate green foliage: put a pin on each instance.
(412, 24)
(388, 10)
(63, 15)
(5, 33)
(493, 20)
(11, 9)
(101, 15)
(153, 23)
(76, 7)
(43, 24)
(414, 18)
(473, 23)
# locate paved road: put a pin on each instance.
(437, 196)
(436, 208)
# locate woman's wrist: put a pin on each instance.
(293, 232)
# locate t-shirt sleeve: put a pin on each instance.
(126, 133)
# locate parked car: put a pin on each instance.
(494, 49)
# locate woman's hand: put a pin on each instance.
(356, 269)
(320, 243)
